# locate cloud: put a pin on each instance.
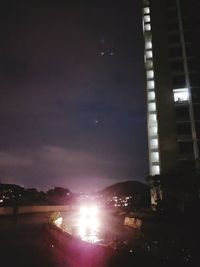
(47, 154)
(8, 159)
(50, 166)
(60, 155)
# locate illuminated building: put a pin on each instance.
(172, 62)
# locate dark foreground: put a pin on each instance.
(22, 242)
(25, 242)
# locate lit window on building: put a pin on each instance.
(148, 45)
(152, 106)
(154, 143)
(154, 157)
(150, 74)
(153, 130)
(147, 27)
(147, 18)
(149, 64)
(155, 170)
(181, 95)
(152, 118)
(150, 85)
(149, 54)
(146, 10)
(151, 96)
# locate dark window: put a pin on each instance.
(190, 36)
(191, 2)
(182, 112)
(177, 66)
(189, 51)
(189, 9)
(195, 79)
(184, 128)
(193, 64)
(178, 81)
(196, 95)
(174, 38)
(198, 129)
(173, 25)
(196, 109)
(171, 13)
(170, 3)
(187, 163)
(190, 24)
(176, 51)
(186, 147)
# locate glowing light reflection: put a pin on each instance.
(88, 224)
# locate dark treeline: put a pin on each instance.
(11, 194)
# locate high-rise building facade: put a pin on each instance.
(172, 62)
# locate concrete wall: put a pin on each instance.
(34, 209)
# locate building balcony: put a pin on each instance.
(181, 103)
(184, 137)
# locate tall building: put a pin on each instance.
(172, 62)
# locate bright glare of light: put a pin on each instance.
(88, 212)
(88, 224)
(58, 222)
(88, 217)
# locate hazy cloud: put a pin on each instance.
(53, 165)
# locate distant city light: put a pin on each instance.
(123, 201)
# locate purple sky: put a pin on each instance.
(72, 105)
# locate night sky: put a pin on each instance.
(72, 104)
